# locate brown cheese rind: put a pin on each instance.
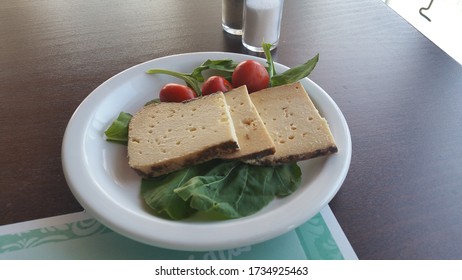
(293, 158)
(192, 159)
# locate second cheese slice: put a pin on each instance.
(254, 140)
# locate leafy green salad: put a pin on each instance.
(218, 189)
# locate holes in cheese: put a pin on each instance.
(164, 137)
(299, 130)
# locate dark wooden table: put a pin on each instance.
(401, 96)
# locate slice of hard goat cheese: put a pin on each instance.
(168, 136)
(295, 125)
(253, 138)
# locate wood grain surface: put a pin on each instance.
(401, 96)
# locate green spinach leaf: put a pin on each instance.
(287, 177)
(235, 189)
(158, 192)
(118, 131)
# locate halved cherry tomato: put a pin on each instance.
(176, 93)
(214, 84)
(252, 74)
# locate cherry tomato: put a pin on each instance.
(176, 93)
(252, 74)
(214, 84)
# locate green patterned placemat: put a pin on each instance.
(82, 237)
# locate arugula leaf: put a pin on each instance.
(296, 73)
(188, 78)
(289, 76)
(225, 66)
(118, 131)
(269, 59)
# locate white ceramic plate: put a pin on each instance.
(99, 177)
